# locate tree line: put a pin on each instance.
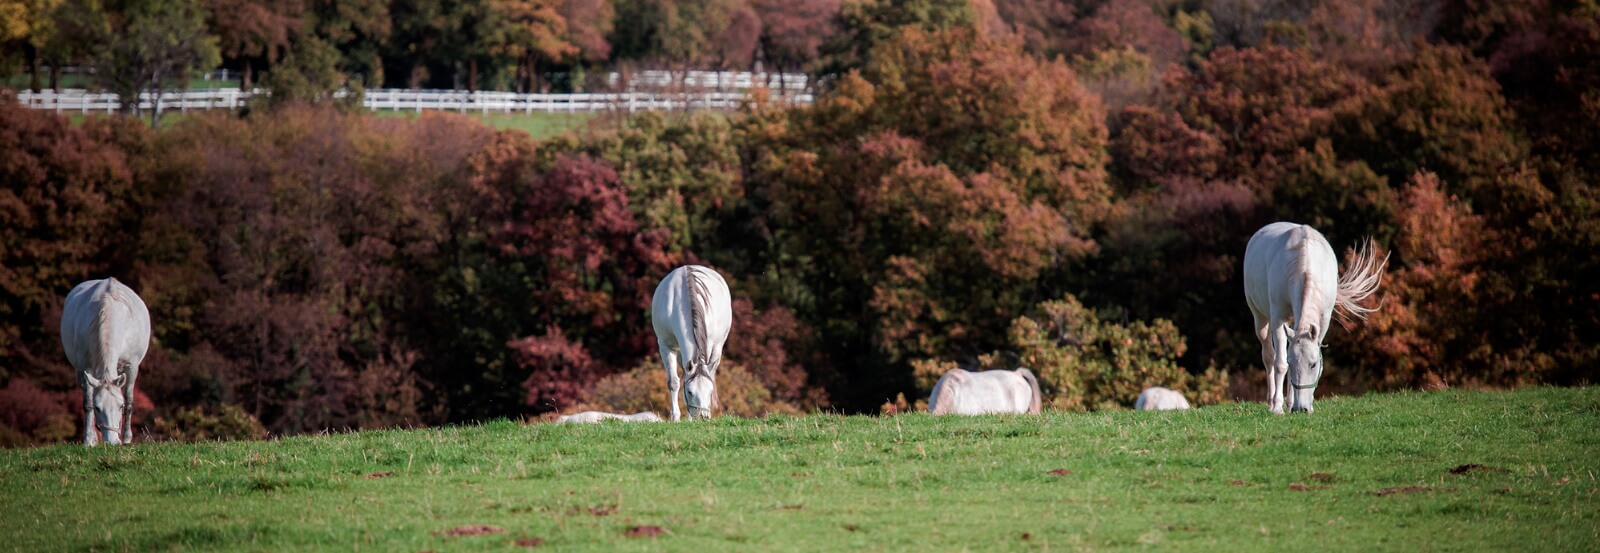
(972, 189)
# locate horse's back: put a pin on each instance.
(962, 392)
(671, 303)
(1157, 398)
(1276, 264)
(104, 313)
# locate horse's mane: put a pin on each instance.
(1308, 291)
(699, 302)
(101, 328)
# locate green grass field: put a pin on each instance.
(539, 125)
(1227, 478)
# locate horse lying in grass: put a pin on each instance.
(105, 330)
(962, 392)
(588, 417)
(1293, 285)
(692, 312)
(1157, 398)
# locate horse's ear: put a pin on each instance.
(93, 382)
(121, 378)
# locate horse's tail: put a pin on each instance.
(1363, 272)
(1035, 406)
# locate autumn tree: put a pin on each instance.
(64, 191)
(865, 24)
(521, 33)
(916, 205)
(793, 32)
(589, 22)
(251, 30)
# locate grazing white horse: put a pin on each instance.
(692, 312)
(1156, 398)
(1293, 285)
(587, 417)
(963, 392)
(105, 330)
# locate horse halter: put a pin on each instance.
(696, 371)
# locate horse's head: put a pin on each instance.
(107, 403)
(1305, 369)
(700, 390)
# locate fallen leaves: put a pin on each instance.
(529, 542)
(1299, 487)
(1060, 472)
(384, 474)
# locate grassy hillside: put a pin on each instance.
(1360, 474)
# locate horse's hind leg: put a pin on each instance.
(674, 384)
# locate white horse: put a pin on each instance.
(588, 417)
(105, 330)
(692, 312)
(962, 392)
(1293, 285)
(1156, 398)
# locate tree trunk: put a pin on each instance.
(155, 104)
(531, 67)
(247, 79)
(55, 77)
(472, 75)
(31, 53)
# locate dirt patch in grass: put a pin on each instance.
(1239, 483)
(1299, 487)
(1322, 477)
(529, 542)
(1403, 489)
(1060, 472)
(1471, 467)
(384, 474)
(645, 531)
(473, 530)
(602, 510)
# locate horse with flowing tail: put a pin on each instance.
(1293, 286)
(105, 330)
(692, 312)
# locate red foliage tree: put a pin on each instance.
(65, 193)
(569, 230)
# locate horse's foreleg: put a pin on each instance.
(1279, 371)
(674, 384)
(90, 436)
(127, 408)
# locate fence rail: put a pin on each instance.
(82, 101)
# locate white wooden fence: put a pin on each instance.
(415, 100)
(710, 80)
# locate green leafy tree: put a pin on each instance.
(149, 42)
